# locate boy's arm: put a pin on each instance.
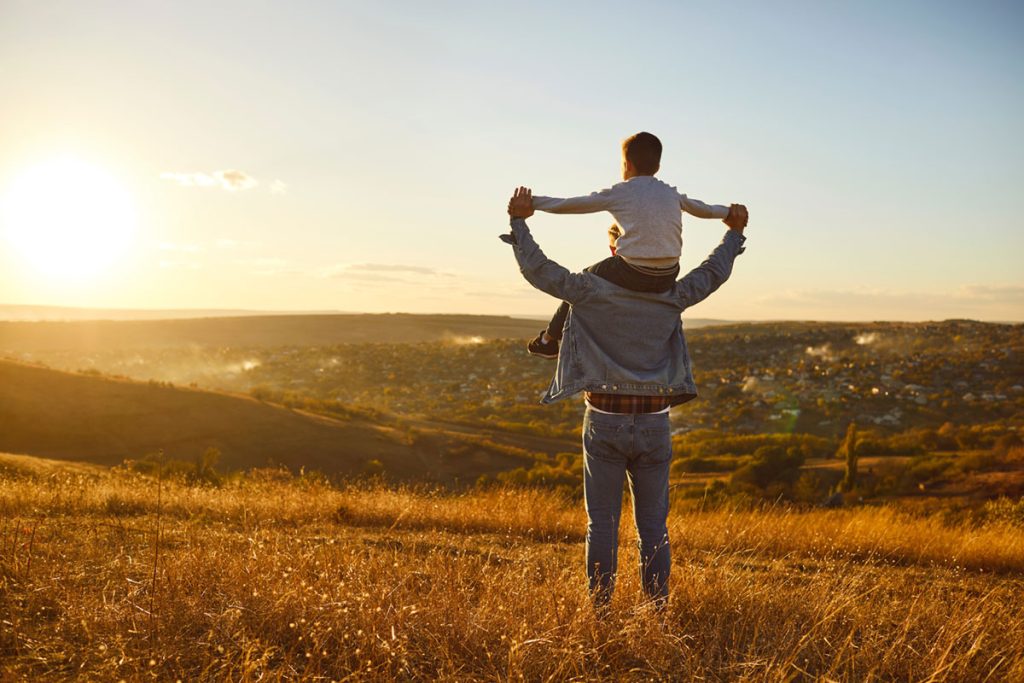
(696, 207)
(540, 271)
(700, 282)
(591, 203)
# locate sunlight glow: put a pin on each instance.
(68, 219)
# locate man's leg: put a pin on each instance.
(604, 473)
(648, 484)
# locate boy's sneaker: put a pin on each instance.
(544, 349)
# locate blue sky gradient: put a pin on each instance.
(878, 146)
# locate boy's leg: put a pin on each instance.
(554, 329)
(617, 271)
(606, 441)
(648, 471)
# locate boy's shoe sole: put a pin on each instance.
(539, 347)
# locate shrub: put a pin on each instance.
(704, 443)
(725, 463)
(771, 464)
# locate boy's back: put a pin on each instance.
(646, 209)
(648, 213)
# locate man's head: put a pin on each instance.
(641, 155)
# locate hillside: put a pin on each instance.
(249, 329)
(76, 417)
(28, 312)
(936, 405)
(795, 377)
(267, 330)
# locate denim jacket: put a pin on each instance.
(617, 341)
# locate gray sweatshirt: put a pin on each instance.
(648, 213)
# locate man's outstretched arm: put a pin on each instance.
(700, 282)
(540, 271)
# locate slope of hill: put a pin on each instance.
(268, 330)
(27, 312)
(31, 465)
(83, 418)
(239, 329)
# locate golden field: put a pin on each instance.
(109, 574)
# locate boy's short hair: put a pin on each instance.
(643, 150)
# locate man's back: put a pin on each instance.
(618, 340)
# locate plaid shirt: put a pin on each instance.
(627, 403)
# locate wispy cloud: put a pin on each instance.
(170, 264)
(1007, 293)
(395, 268)
(382, 272)
(970, 301)
(510, 293)
(270, 266)
(231, 180)
(278, 187)
(236, 244)
(181, 248)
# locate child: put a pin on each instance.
(645, 255)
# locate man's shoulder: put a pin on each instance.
(609, 292)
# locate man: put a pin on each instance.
(627, 352)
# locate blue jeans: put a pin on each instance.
(617, 448)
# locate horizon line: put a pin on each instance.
(249, 312)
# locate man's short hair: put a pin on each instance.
(643, 150)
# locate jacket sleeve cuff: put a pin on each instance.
(517, 225)
(738, 238)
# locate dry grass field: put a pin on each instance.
(108, 575)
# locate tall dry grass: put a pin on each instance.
(275, 578)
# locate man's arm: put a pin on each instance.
(538, 269)
(591, 203)
(696, 207)
(703, 280)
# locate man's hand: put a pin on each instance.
(521, 204)
(737, 218)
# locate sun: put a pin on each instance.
(67, 218)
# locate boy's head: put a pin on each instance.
(641, 155)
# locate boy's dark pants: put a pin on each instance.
(615, 270)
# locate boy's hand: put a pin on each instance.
(737, 218)
(521, 204)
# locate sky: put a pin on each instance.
(359, 156)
